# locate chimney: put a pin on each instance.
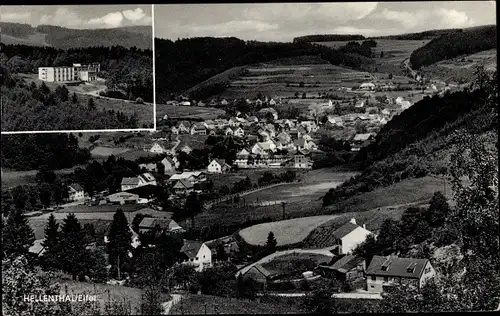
(364, 226)
(353, 220)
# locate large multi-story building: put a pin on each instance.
(78, 72)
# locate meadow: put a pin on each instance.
(195, 112)
(295, 263)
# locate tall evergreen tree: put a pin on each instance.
(73, 252)
(192, 206)
(271, 242)
(17, 235)
(438, 210)
(51, 243)
(119, 238)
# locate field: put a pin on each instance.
(101, 216)
(129, 296)
(286, 232)
(108, 151)
(205, 304)
(195, 112)
(12, 178)
(295, 263)
(395, 52)
(461, 69)
(37, 39)
(253, 174)
(145, 112)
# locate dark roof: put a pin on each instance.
(191, 248)
(396, 266)
(262, 270)
(345, 229)
(76, 187)
(150, 222)
(346, 263)
(130, 181)
(184, 183)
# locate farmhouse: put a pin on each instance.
(193, 176)
(198, 129)
(183, 186)
(218, 166)
(184, 127)
(164, 225)
(347, 268)
(349, 236)
(367, 86)
(157, 148)
(123, 198)
(75, 192)
(386, 271)
(196, 254)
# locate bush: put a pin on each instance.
(139, 101)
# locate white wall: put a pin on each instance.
(353, 239)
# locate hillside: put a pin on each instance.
(419, 141)
(454, 44)
(187, 62)
(328, 38)
(65, 38)
(426, 35)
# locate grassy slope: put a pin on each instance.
(196, 304)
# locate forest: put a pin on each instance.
(453, 44)
(65, 38)
(38, 151)
(34, 108)
(129, 70)
(328, 38)
(419, 36)
(185, 63)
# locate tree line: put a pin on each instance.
(328, 38)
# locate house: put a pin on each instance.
(148, 166)
(233, 122)
(348, 268)
(311, 126)
(184, 127)
(361, 140)
(157, 148)
(264, 147)
(129, 183)
(186, 149)
(146, 179)
(265, 111)
(264, 135)
(169, 164)
(198, 129)
(359, 104)
(405, 105)
(258, 102)
(200, 103)
(186, 103)
(367, 86)
(165, 225)
(385, 111)
(349, 236)
(224, 102)
(196, 254)
(386, 271)
(123, 198)
(229, 131)
(284, 137)
(239, 132)
(303, 144)
(213, 103)
(75, 192)
(259, 275)
(252, 119)
(302, 162)
(183, 186)
(335, 120)
(218, 166)
(174, 130)
(272, 102)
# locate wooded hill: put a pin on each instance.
(418, 141)
(454, 44)
(185, 63)
(65, 38)
(126, 69)
(328, 38)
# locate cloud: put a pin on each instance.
(222, 29)
(113, 19)
(134, 15)
(437, 19)
(15, 17)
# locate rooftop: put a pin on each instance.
(396, 266)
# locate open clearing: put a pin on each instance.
(194, 112)
(12, 178)
(206, 304)
(286, 232)
(129, 296)
(295, 263)
(108, 151)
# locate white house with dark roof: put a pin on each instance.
(169, 164)
(196, 254)
(76, 192)
(165, 225)
(387, 271)
(239, 132)
(218, 166)
(349, 236)
(183, 186)
(198, 129)
(157, 148)
(129, 183)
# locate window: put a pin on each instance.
(386, 279)
(191, 259)
(374, 278)
(203, 256)
(196, 258)
(427, 270)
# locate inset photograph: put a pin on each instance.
(76, 68)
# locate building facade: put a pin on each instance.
(77, 72)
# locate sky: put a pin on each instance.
(283, 21)
(78, 16)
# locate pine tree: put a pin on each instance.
(17, 235)
(271, 243)
(120, 239)
(51, 243)
(73, 254)
(91, 104)
(74, 99)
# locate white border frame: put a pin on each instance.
(110, 130)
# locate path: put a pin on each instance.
(178, 142)
(167, 306)
(322, 251)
